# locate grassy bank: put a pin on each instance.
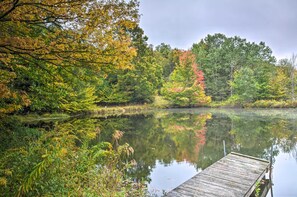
(97, 111)
(120, 110)
(272, 104)
(256, 104)
(159, 103)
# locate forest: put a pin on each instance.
(74, 56)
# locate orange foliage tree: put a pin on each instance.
(186, 83)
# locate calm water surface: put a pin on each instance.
(171, 146)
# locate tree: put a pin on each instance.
(11, 100)
(220, 57)
(278, 85)
(138, 84)
(186, 83)
(264, 74)
(211, 60)
(245, 85)
(62, 35)
(290, 73)
(167, 57)
(145, 78)
(71, 31)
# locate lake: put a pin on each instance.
(171, 146)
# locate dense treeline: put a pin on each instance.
(239, 71)
(71, 56)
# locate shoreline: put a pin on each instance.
(105, 111)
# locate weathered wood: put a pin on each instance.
(233, 175)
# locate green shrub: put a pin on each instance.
(272, 104)
(54, 165)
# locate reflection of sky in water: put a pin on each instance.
(167, 177)
(284, 175)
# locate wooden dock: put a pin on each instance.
(233, 175)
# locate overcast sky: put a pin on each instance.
(181, 23)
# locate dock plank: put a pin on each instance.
(233, 175)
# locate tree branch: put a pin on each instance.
(14, 5)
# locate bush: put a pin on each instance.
(272, 104)
(54, 165)
(160, 102)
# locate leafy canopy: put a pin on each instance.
(53, 37)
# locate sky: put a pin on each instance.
(180, 23)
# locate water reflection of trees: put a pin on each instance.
(196, 138)
(256, 135)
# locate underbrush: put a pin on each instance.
(62, 162)
(271, 104)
